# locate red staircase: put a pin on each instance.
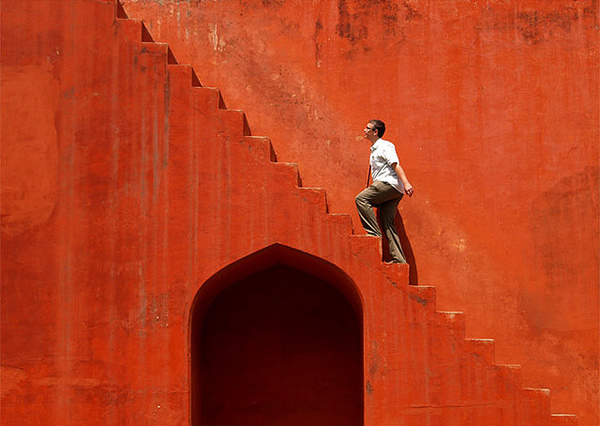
(450, 379)
(162, 187)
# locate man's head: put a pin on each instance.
(374, 130)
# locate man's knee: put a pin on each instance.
(362, 201)
(359, 199)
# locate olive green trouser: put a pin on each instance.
(386, 198)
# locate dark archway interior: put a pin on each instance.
(280, 347)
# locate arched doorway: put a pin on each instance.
(278, 346)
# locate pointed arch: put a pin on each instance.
(276, 338)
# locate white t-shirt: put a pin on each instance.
(383, 155)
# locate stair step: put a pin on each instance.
(287, 172)
(397, 272)
(158, 49)
(536, 404)
(564, 420)
(261, 148)
(366, 246)
(510, 375)
(152, 62)
(130, 28)
(186, 72)
(233, 122)
(424, 295)
(484, 349)
(343, 221)
(541, 393)
(454, 322)
(207, 98)
(316, 196)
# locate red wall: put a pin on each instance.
(493, 106)
(83, 188)
(125, 189)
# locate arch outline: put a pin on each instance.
(254, 263)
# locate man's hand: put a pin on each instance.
(408, 188)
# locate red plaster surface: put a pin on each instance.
(146, 189)
(493, 106)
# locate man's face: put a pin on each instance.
(369, 132)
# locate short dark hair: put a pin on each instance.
(379, 126)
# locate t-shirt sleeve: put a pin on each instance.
(390, 155)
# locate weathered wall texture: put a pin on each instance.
(125, 191)
(494, 108)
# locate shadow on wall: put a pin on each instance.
(408, 251)
(413, 278)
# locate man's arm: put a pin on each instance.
(400, 172)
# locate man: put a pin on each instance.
(388, 187)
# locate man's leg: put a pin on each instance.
(374, 195)
(387, 213)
